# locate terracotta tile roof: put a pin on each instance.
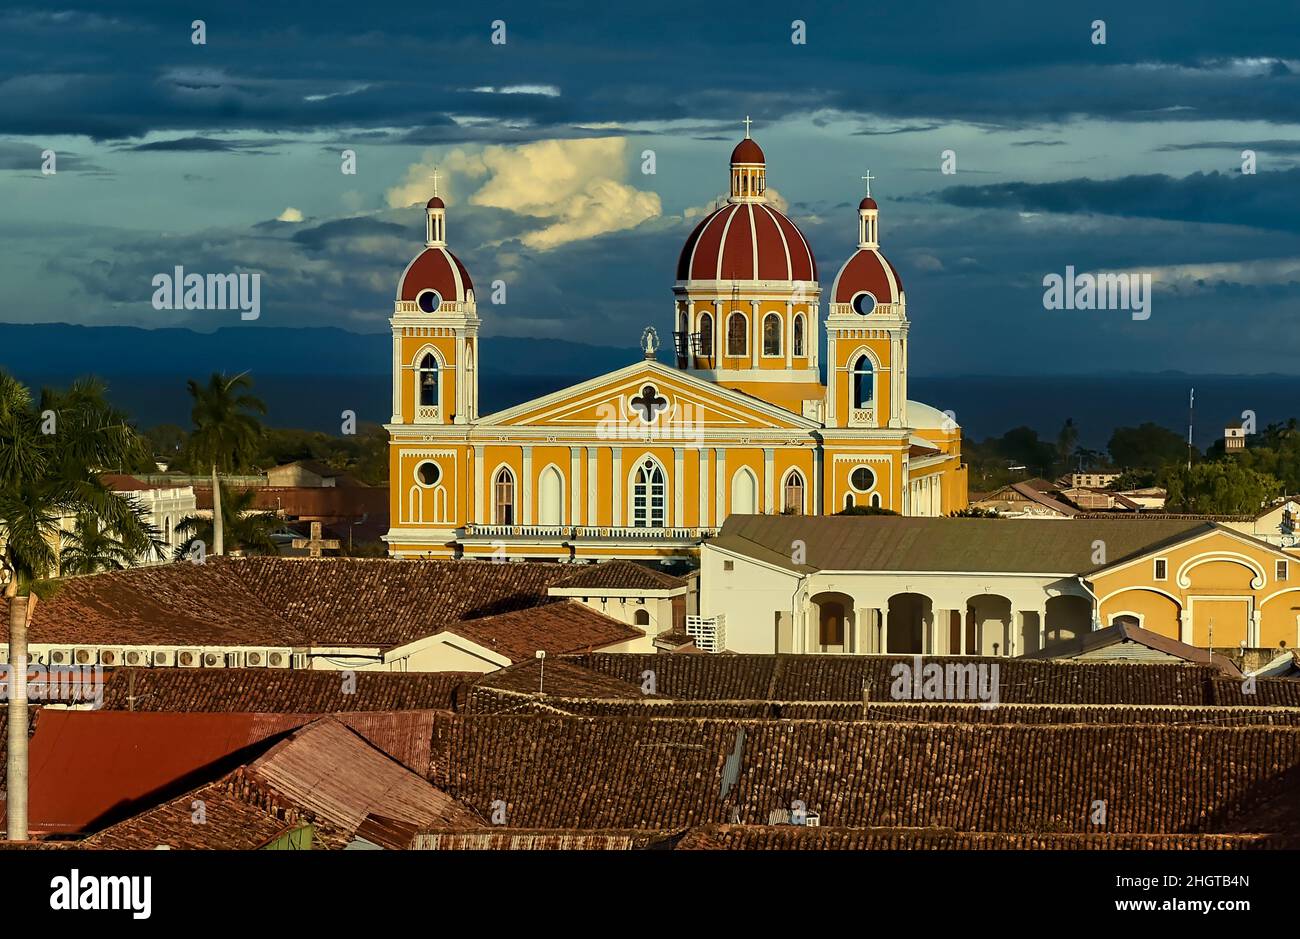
(1122, 632)
(747, 677)
(229, 824)
(297, 691)
(577, 773)
(336, 776)
(895, 543)
(621, 575)
(563, 626)
(291, 602)
(804, 838)
(122, 482)
(557, 678)
(507, 839)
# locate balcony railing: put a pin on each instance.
(594, 532)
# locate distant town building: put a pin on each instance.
(1234, 438)
(1092, 480)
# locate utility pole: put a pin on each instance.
(1191, 410)
(16, 803)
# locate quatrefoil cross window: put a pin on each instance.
(649, 404)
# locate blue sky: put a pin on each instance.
(226, 157)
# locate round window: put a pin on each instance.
(429, 301)
(863, 303)
(428, 473)
(862, 479)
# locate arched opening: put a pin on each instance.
(550, 497)
(988, 625)
(831, 630)
(649, 507)
(849, 501)
(503, 498)
(737, 334)
(797, 349)
(910, 615)
(875, 499)
(706, 336)
(641, 618)
(864, 384)
(167, 529)
(1068, 617)
(771, 334)
(744, 493)
(792, 501)
(426, 377)
(1155, 611)
(1126, 619)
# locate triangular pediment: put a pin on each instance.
(652, 396)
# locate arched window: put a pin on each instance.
(504, 497)
(793, 502)
(875, 499)
(737, 334)
(798, 336)
(706, 336)
(641, 618)
(649, 496)
(863, 382)
(550, 497)
(167, 529)
(771, 334)
(427, 380)
(744, 493)
(848, 500)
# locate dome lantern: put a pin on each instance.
(748, 170)
(435, 218)
(868, 218)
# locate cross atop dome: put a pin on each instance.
(747, 123)
(434, 177)
(868, 178)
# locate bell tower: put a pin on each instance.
(866, 334)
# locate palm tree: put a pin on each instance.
(245, 527)
(51, 455)
(90, 547)
(226, 434)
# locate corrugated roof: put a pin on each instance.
(966, 545)
(621, 575)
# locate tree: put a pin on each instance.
(866, 510)
(226, 431)
(245, 528)
(91, 547)
(51, 455)
(1147, 446)
(1219, 488)
(1066, 441)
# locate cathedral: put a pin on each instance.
(649, 460)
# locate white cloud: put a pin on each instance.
(577, 186)
(289, 215)
(1193, 278)
(774, 199)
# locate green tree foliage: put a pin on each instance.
(244, 527)
(866, 510)
(51, 454)
(227, 432)
(1220, 488)
(1147, 446)
(1066, 441)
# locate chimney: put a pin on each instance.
(16, 802)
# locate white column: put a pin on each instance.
(818, 463)
(480, 492)
(678, 515)
(702, 456)
(832, 380)
(756, 334)
(1185, 626)
(1042, 627)
(526, 488)
(592, 486)
(789, 334)
(397, 376)
(1252, 630)
(575, 485)
(719, 334)
(617, 487)
(720, 473)
(769, 473)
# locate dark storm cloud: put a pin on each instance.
(1259, 146)
(418, 65)
(205, 145)
(1262, 200)
(27, 157)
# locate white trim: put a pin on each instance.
(514, 494)
(540, 491)
(1140, 617)
(726, 341)
(803, 486)
(1114, 593)
(1190, 564)
(635, 467)
(731, 507)
(762, 334)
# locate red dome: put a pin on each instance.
(868, 203)
(867, 270)
(435, 269)
(435, 203)
(748, 151)
(746, 241)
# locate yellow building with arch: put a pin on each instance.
(648, 460)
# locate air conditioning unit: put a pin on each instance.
(137, 658)
(278, 658)
(85, 657)
(60, 657)
(214, 660)
(813, 820)
(235, 659)
(163, 657)
(4, 655)
(254, 659)
(300, 660)
(189, 658)
(110, 657)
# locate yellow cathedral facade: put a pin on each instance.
(649, 460)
